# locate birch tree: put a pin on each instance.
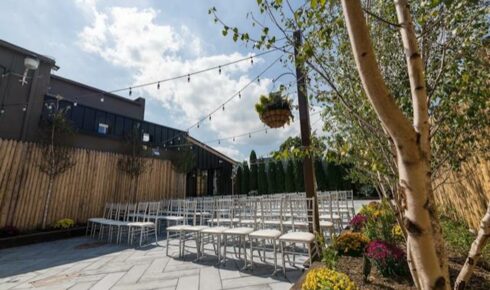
(57, 158)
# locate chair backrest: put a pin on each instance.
(190, 212)
(246, 209)
(141, 211)
(153, 210)
(301, 212)
(131, 214)
(270, 212)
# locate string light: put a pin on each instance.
(233, 139)
(158, 86)
(188, 78)
(2, 111)
(249, 135)
(197, 125)
(130, 91)
(75, 103)
(239, 95)
(101, 100)
(258, 80)
(24, 108)
(223, 107)
(219, 141)
(219, 70)
(251, 60)
(209, 117)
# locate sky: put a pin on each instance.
(113, 44)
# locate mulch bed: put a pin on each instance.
(352, 266)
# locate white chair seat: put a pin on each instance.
(272, 222)
(248, 222)
(304, 237)
(329, 217)
(174, 218)
(326, 224)
(224, 220)
(214, 230)
(238, 231)
(266, 234)
(176, 228)
(141, 224)
(194, 228)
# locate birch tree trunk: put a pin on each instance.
(411, 141)
(475, 251)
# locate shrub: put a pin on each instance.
(380, 222)
(9, 231)
(65, 223)
(350, 243)
(324, 279)
(390, 260)
(358, 221)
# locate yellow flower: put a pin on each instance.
(324, 278)
(64, 224)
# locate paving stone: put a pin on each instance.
(169, 275)
(209, 279)
(82, 286)
(245, 282)
(188, 283)
(134, 274)
(108, 281)
(157, 284)
(280, 285)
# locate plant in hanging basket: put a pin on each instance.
(275, 110)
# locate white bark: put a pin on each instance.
(475, 252)
(412, 143)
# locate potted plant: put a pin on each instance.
(275, 110)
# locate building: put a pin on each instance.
(101, 120)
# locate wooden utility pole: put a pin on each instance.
(304, 120)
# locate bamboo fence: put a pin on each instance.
(464, 195)
(80, 192)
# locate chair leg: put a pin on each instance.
(251, 254)
(168, 238)
(283, 259)
(275, 255)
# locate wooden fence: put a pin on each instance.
(80, 192)
(464, 194)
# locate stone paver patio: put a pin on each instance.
(83, 263)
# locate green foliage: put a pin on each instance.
(238, 180)
(290, 187)
(245, 182)
(133, 161)
(253, 171)
(275, 101)
(299, 180)
(321, 179)
(56, 134)
(271, 177)
(381, 222)
(459, 239)
(292, 148)
(280, 177)
(453, 42)
(262, 179)
(65, 223)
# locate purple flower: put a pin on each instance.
(381, 251)
(358, 221)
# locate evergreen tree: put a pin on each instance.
(271, 177)
(245, 186)
(320, 175)
(280, 177)
(333, 180)
(299, 180)
(238, 180)
(262, 179)
(290, 187)
(253, 171)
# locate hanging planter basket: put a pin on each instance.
(274, 110)
(276, 118)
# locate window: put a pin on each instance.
(146, 137)
(103, 129)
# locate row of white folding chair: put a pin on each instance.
(123, 218)
(291, 231)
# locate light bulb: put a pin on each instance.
(101, 100)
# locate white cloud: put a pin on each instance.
(132, 39)
(231, 152)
